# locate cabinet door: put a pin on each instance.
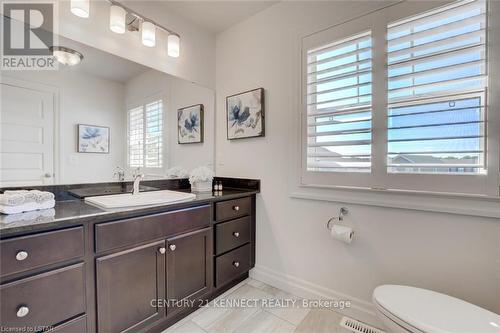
(189, 269)
(128, 285)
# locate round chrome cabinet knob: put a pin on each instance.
(236, 264)
(236, 234)
(162, 250)
(22, 311)
(21, 255)
(172, 247)
(236, 208)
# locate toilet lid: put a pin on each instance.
(432, 312)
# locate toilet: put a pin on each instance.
(404, 309)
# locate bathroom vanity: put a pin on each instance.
(79, 268)
(126, 270)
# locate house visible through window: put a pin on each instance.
(436, 91)
(399, 101)
(145, 135)
(339, 86)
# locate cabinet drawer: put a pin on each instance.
(231, 265)
(231, 209)
(78, 325)
(230, 235)
(25, 253)
(43, 300)
(137, 230)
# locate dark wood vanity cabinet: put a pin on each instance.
(234, 239)
(141, 285)
(128, 284)
(232, 234)
(22, 254)
(42, 301)
(189, 268)
(231, 209)
(137, 274)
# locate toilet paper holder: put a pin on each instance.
(343, 211)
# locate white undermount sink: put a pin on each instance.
(140, 199)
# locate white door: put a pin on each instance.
(26, 135)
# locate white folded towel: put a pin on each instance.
(42, 196)
(30, 206)
(29, 196)
(45, 215)
(32, 196)
(11, 199)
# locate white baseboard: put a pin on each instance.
(360, 309)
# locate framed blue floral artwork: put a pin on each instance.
(245, 114)
(93, 139)
(190, 124)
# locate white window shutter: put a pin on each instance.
(339, 88)
(145, 135)
(154, 135)
(437, 81)
(136, 137)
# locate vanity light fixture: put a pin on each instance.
(148, 34)
(66, 56)
(117, 16)
(122, 18)
(80, 8)
(173, 45)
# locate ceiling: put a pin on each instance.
(214, 16)
(102, 64)
(217, 16)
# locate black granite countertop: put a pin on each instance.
(70, 210)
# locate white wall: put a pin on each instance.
(84, 99)
(87, 99)
(190, 156)
(177, 93)
(454, 254)
(196, 62)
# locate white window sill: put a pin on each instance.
(463, 204)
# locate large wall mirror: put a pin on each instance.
(83, 123)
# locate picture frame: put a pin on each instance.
(93, 139)
(190, 124)
(245, 114)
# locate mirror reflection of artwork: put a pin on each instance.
(93, 139)
(190, 124)
(100, 91)
(245, 114)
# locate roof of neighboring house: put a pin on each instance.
(420, 159)
(325, 150)
(428, 159)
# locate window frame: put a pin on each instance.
(356, 179)
(151, 171)
(379, 178)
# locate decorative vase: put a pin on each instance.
(201, 186)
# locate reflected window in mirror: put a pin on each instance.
(145, 135)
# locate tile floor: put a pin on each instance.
(258, 319)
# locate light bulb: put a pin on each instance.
(173, 47)
(148, 34)
(117, 19)
(80, 8)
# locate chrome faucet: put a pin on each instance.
(120, 173)
(137, 181)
